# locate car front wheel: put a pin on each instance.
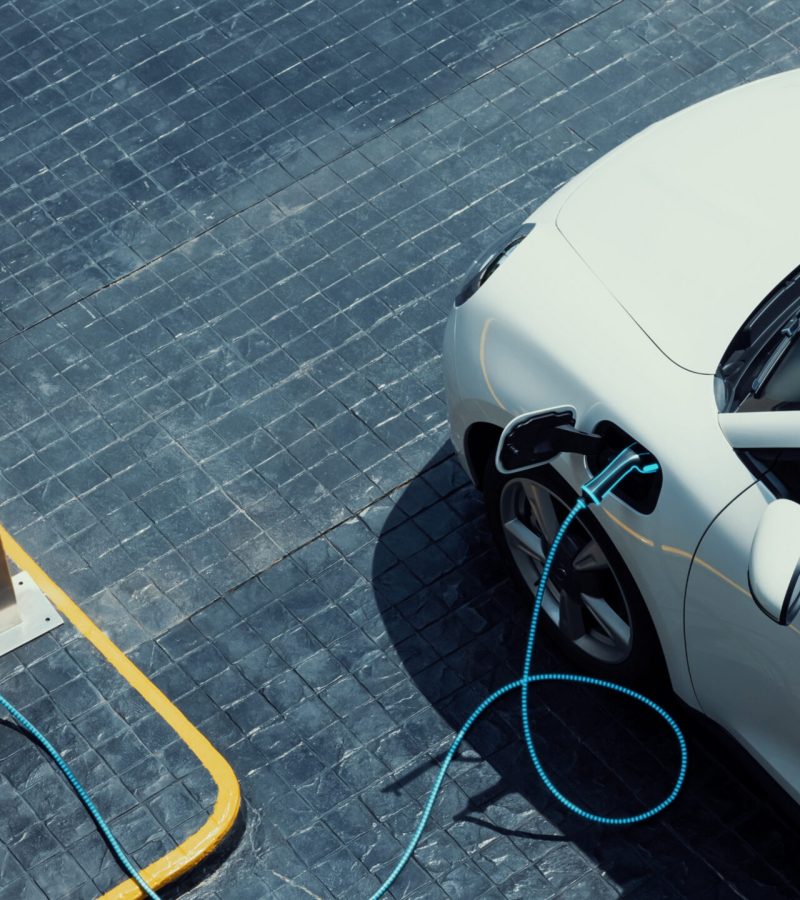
(591, 607)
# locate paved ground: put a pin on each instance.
(230, 234)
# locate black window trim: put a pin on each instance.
(754, 341)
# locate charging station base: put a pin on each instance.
(37, 615)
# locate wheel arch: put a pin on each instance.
(480, 444)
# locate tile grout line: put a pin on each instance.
(355, 515)
(358, 146)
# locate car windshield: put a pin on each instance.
(781, 390)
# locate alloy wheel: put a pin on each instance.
(584, 598)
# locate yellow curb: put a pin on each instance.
(204, 841)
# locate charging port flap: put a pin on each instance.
(537, 437)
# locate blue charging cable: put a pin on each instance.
(113, 843)
(594, 491)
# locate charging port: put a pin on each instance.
(639, 491)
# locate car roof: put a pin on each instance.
(691, 223)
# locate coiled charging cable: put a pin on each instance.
(594, 491)
(84, 797)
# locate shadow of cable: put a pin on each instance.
(459, 627)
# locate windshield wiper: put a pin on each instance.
(789, 331)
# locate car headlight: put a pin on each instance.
(493, 261)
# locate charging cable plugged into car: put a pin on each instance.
(527, 441)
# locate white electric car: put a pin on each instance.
(655, 300)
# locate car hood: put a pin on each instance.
(694, 221)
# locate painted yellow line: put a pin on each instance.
(219, 823)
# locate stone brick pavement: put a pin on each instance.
(229, 237)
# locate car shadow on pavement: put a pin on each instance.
(457, 625)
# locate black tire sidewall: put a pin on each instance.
(644, 664)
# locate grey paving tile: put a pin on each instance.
(229, 237)
(146, 138)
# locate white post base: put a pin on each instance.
(37, 615)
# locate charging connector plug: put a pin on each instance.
(629, 460)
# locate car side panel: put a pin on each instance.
(743, 665)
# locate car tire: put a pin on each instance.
(619, 641)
